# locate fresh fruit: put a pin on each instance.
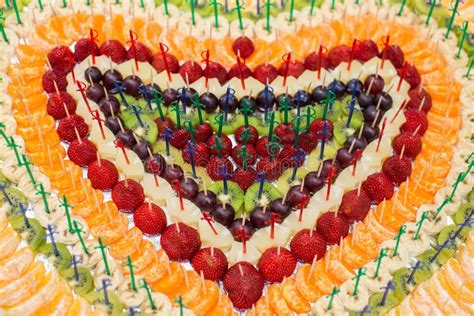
(84, 48)
(365, 51)
(378, 187)
(139, 51)
(394, 54)
(61, 59)
(211, 262)
(58, 103)
(241, 137)
(265, 73)
(240, 152)
(244, 177)
(244, 284)
(166, 62)
(231, 194)
(180, 241)
(338, 54)
(115, 50)
(52, 79)
(315, 61)
(419, 97)
(239, 71)
(190, 71)
(355, 205)
(68, 125)
(200, 154)
(243, 47)
(128, 195)
(307, 244)
(215, 70)
(416, 122)
(259, 194)
(332, 227)
(276, 263)
(292, 69)
(82, 281)
(150, 219)
(397, 169)
(103, 174)
(464, 212)
(82, 152)
(58, 255)
(34, 235)
(410, 74)
(411, 143)
(216, 165)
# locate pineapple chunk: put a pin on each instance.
(190, 215)
(157, 193)
(262, 239)
(134, 169)
(223, 240)
(310, 215)
(236, 253)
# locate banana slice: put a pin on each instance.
(176, 311)
(41, 16)
(21, 29)
(222, 240)
(66, 236)
(9, 48)
(391, 262)
(321, 306)
(161, 303)
(414, 246)
(372, 283)
(461, 76)
(406, 17)
(432, 226)
(331, 14)
(216, 33)
(90, 260)
(55, 214)
(285, 26)
(28, 188)
(235, 31)
(351, 302)
(157, 193)
(129, 296)
(10, 124)
(116, 277)
(261, 30)
(171, 20)
(308, 20)
(5, 100)
(12, 171)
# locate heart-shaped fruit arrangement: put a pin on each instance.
(276, 172)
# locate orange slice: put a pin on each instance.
(364, 240)
(108, 213)
(111, 231)
(336, 268)
(304, 285)
(142, 257)
(30, 103)
(171, 281)
(9, 241)
(157, 268)
(14, 266)
(321, 278)
(277, 302)
(79, 307)
(189, 289)
(222, 305)
(128, 245)
(293, 298)
(61, 302)
(262, 308)
(351, 255)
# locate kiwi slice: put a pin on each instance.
(440, 13)
(427, 256)
(174, 157)
(145, 129)
(34, 234)
(252, 199)
(464, 212)
(375, 303)
(400, 281)
(114, 306)
(285, 182)
(450, 231)
(470, 196)
(126, 113)
(61, 260)
(342, 133)
(191, 115)
(234, 121)
(319, 112)
(16, 197)
(258, 121)
(84, 283)
(3, 179)
(234, 196)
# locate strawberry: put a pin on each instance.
(415, 121)
(237, 153)
(276, 263)
(244, 177)
(57, 102)
(410, 74)
(239, 71)
(66, 128)
(150, 219)
(128, 195)
(412, 144)
(287, 156)
(378, 187)
(272, 168)
(416, 98)
(215, 166)
(332, 227)
(225, 142)
(82, 152)
(180, 241)
(308, 141)
(262, 146)
(265, 73)
(306, 245)
(397, 169)
(244, 284)
(202, 132)
(313, 61)
(394, 54)
(171, 61)
(365, 51)
(115, 50)
(143, 53)
(295, 69)
(180, 138)
(317, 127)
(190, 71)
(103, 174)
(162, 125)
(239, 135)
(285, 132)
(338, 54)
(212, 262)
(61, 59)
(243, 47)
(216, 70)
(201, 154)
(83, 49)
(50, 77)
(355, 205)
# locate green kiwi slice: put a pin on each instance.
(375, 303)
(449, 231)
(34, 234)
(252, 199)
(234, 196)
(440, 13)
(61, 260)
(285, 182)
(470, 196)
(84, 283)
(400, 282)
(16, 198)
(174, 157)
(114, 306)
(145, 129)
(191, 115)
(258, 121)
(427, 256)
(463, 213)
(234, 121)
(341, 133)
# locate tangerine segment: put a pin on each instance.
(9, 241)
(111, 231)
(128, 245)
(30, 53)
(13, 292)
(222, 305)
(142, 257)
(262, 308)
(364, 240)
(14, 266)
(107, 214)
(379, 232)
(80, 307)
(336, 268)
(321, 278)
(25, 72)
(157, 268)
(50, 139)
(17, 89)
(53, 157)
(351, 255)
(61, 302)
(59, 23)
(30, 103)
(188, 290)
(304, 285)
(86, 208)
(277, 302)
(171, 281)
(293, 298)
(116, 26)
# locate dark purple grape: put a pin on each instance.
(338, 87)
(268, 101)
(236, 229)
(297, 195)
(224, 214)
(112, 122)
(142, 149)
(206, 201)
(93, 74)
(210, 102)
(370, 113)
(375, 87)
(344, 157)
(278, 207)
(312, 182)
(132, 83)
(95, 92)
(359, 143)
(172, 173)
(385, 100)
(109, 105)
(187, 95)
(370, 133)
(155, 164)
(319, 94)
(150, 89)
(127, 138)
(282, 98)
(231, 101)
(260, 217)
(251, 102)
(301, 98)
(189, 188)
(109, 78)
(365, 100)
(169, 96)
(354, 85)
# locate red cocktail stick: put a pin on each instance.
(133, 41)
(93, 36)
(164, 49)
(386, 44)
(82, 88)
(381, 134)
(287, 60)
(118, 144)
(205, 56)
(96, 116)
(208, 218)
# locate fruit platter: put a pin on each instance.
(248, 157)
